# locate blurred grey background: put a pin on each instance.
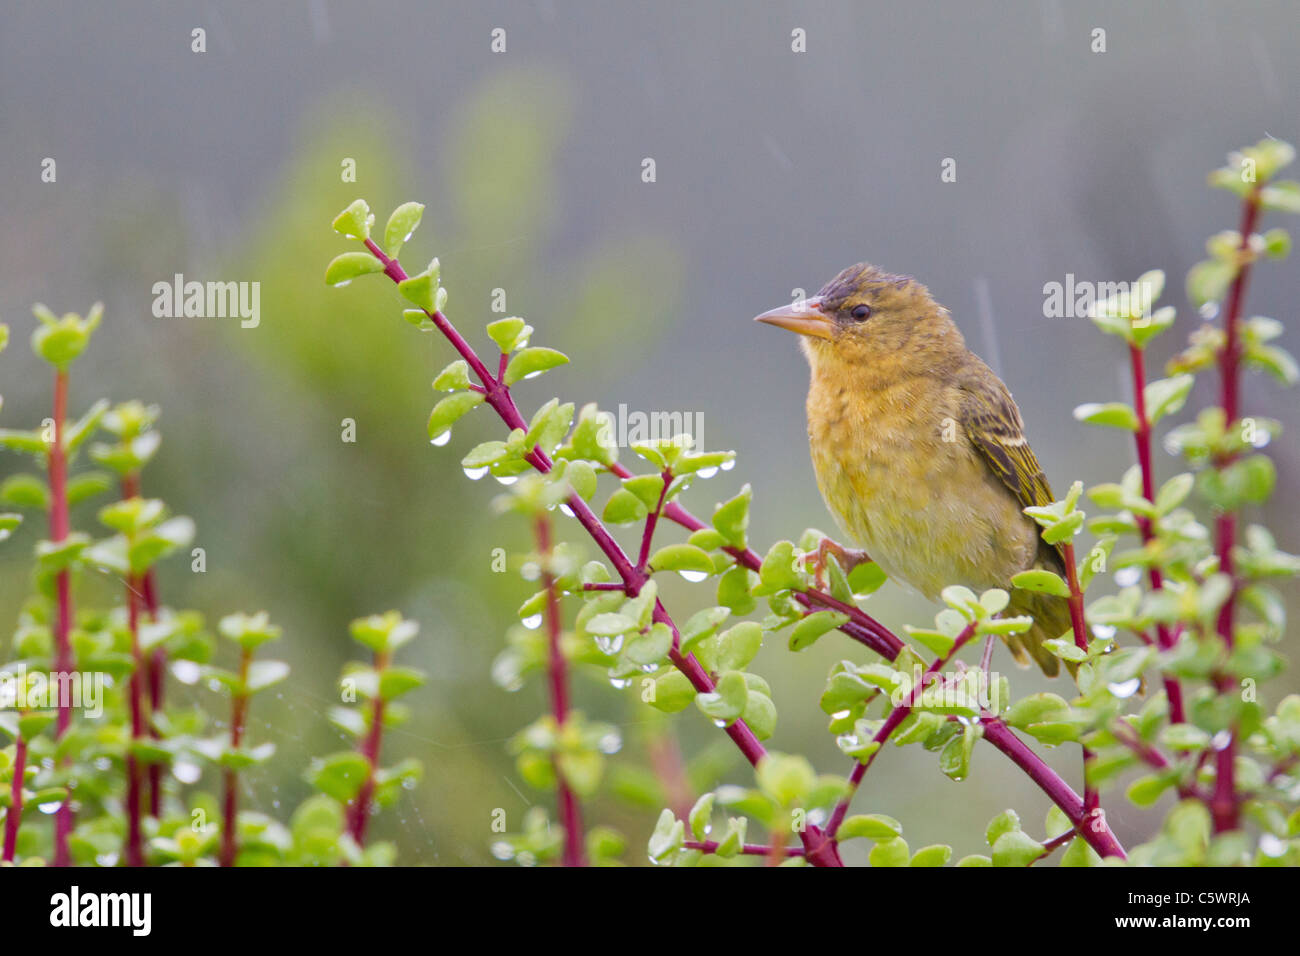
(774, 170)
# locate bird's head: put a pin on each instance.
(867, 317)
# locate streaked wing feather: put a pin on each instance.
(994, 426)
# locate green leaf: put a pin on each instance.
(733, 590)
(707, 538)
(681, 557)
(1208, 281)
(735, 647)
(1184, 737)
(937, 854)
(936, 642)
(1245, 481)
(582, 478)
(610, 624)
(264, 674)
(777, 572)
(1114, 414)
(1005, 625)
(1148, 327)
(339, 775)
(760, 715)
(453, 378)
(1065, 529)
(1036, 708)
(1005, 822)
(893, 852)
(1165, 396)
(1282, 196)
(1145, 791)
(673, 692)
(731, 518)
(355, 221)
(1042, 581)
(248, 630)
(449, 410)
(549, 425)
(728, 699)
(734, 839)
(873, 826)
(867, 578)
(60, 341)
(807, 631)
(1078, 853)
(668, 836)
(786, 778)
(25, 491)
(420, 319)
(1275, 360)
(532, 362)
(648, 648)
(700, 816)
(401, 224)
(624, 507)
(85, 426)
(1277, 243)
(954, 759)
(396, 681)
(646, 487)
(509, 334)
(349, 265)
(701, 625)
(962, 600)
(1016, 848)
(423, 290)
(1066, 650)
(86, 485)
(27, 442)
(1174, 492)
(485, 454)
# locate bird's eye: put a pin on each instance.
(861, 313)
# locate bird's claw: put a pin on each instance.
(848, 559)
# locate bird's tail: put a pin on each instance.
(1051, 616)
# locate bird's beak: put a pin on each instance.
(804, 316)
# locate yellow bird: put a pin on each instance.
(919, 449)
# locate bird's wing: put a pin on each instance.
(993, 424)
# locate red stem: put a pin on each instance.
(651, 520)
(1225, 806)
(1142, 439)
(570, 811)
(666, 759)
(820, 850)
(1151, 757)
(861, 626)
(1054, 843)
(1077, 621)
(238, 717)
(1091, 798)
(134, 836)
(370, 750)
(63, 662)
(156, 665)
(896, 717)
(749, 849)
(15, 813)
(1089, 824)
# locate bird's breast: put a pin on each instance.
(901, 478)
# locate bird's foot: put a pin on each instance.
(848, 559)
